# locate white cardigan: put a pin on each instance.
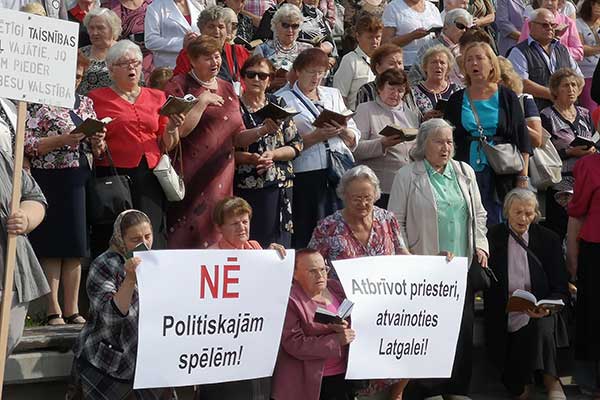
(164, 29)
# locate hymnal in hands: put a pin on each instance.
(521, 301)
(91, 126)
(249, 45)
(584, 141)
(327, 116)
(407, 134)
(178, 105)
(324, 316)
(276, 112)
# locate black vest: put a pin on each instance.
(538, 69)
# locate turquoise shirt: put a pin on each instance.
(452, 211)
(488, 115)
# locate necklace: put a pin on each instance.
(211, 84)
(439, 90)
(280, 49)
(569, 113)
(253, 108)
(129, 96)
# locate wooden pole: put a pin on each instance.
(11, 246)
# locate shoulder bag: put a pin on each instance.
(171, 183)
(504, 158)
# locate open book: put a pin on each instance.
(327, 116)
(276, 112)
(91, 126)
(249, 45)
(178, 105)
(325, 316)
(407, 134)
(521, 301)
(584, 141)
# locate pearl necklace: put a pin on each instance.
(211, 84)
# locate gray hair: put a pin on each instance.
(458, 14)
(359, 172)
(521, 194)
(212, 13)
(286, 12)
(112, 20)
(533, 15)
(229, 15)
(437, 49)
(119, 49)
(426, 129)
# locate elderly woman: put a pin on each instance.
(355, 69)
(385, 154)
(583, 250)
(264, 171)
(383, 58)
(484, 108)
(588, 25)
(207, 136)
(312, 359)
(105, 353)
(104, 28)
(29, 280)
(283, 49)
(437, 64)
(314, 187)
(361, 229)
(528, 257)
(60, 163)
(166, 24)
(565, 121)
(137, 136)
(437, 203)
(406, 24)
(245, 29)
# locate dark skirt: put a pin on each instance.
(147, 196)
(251, 389)
(63, 233)
(587, 331)
(268, 222)
(491, 196)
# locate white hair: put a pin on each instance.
(533, 15)
(287, 12)
(112, 20)
(119, 49)
(426, 129)
(524, 195)
(359, 172)
(458, 14)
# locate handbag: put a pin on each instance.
(545, 166)
(172, 183)
(478, 277)
(504, 158)
(107, 196)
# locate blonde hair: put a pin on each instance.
(34, 8)
(560, 75)
(494, 75)
(228, 207)
(509, 76)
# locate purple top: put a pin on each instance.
(509, 18)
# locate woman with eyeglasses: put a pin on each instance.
(361, 229)
(264, 171)
(136, 138)
(283, 49)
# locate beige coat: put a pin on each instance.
(413, 202)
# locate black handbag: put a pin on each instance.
(337, 164)
(107, 196)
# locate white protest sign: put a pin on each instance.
(38, 58)
(210, 316)
(406, 315)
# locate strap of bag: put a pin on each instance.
(74, 117)
(314, 113)
(476, 116)
(179, 153)
(522, 243)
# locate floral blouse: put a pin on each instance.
(96, 76)
(427, 100)
(282, 172)
(47, 121)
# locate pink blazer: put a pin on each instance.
(305, 345)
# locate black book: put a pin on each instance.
(91, 126)
(324, 316)
(275, 112)
(249, 45)
(441, 105)
(327, 116)
(585, 141)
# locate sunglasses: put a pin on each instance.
(546, 25)
(285, 25)
(461, 26)
(263, 76)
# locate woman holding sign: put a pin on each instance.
(438, 206)
(528, 257)
(60, 163)
(106, 351)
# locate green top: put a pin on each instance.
(452, 211)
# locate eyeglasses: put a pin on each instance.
(263, 76)
(461, 26)
(362, 199)
(546, 25)
(318, 272)
(285, 25)
(128, 64)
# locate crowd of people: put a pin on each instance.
(440, 114)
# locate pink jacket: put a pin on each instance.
(304, 347)
(570, 39)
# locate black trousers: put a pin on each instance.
(335, 387)
(314, 199)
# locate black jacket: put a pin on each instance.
(547, 282)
